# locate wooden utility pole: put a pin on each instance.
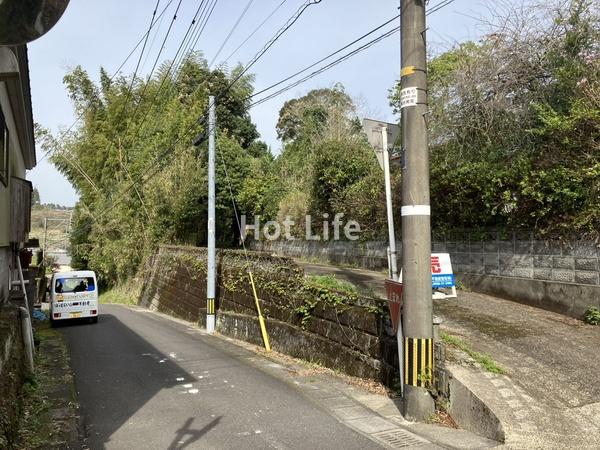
(416, 227)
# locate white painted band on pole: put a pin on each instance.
(210, 323)
(416, 210)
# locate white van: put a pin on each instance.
(74, 295)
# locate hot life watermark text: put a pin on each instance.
(273, 230)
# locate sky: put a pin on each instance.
(97, 34)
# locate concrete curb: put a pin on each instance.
(472, 403)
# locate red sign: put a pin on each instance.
(394, 297)
(436, 266)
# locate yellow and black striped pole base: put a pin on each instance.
(210, 306)
(418, 362)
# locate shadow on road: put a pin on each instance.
(194, 435)
(116, 373)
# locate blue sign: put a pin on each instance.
(442, 281)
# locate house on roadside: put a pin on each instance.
(20, 22)
(17, 155)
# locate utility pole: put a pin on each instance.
(210, 273)
(388, 199)
(44, 246)
(416, 215)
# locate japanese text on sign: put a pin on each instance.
(408, 97)
(441, 271)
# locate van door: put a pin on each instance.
(74, 297)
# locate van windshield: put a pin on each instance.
(70, 285)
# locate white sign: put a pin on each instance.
(441, 275)
(408, 97)
(441, 271)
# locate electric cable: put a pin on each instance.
(115, 73)
(261, 52)
(254, 31)
(235, 25)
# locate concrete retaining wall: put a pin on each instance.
(554, 275)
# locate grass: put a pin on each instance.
(123, 294)
(332, 283)
(482, 359)
(38, 428)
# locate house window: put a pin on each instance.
(3, 150)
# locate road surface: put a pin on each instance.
(147, 382)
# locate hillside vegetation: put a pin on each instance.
(514, 141)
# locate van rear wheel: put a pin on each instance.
(94, 319)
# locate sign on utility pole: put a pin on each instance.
(416, 211)
(382, 136)
(211, 265)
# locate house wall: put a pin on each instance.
(16, 166)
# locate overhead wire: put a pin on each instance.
(197, 22)
(166, 75)
(253, 61)
(115, 73)
(137, 66)
(254, 31)
(341, 59)
(235, 25)
(162, 47)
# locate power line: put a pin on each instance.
(274, 39)
(162, 47)
(166, 75)
(254, 32)
(197, 22)
(235, 25)
(166, 152)
(139, 61)
(328, 56)
(116, 72)
(322, 69)
(201, 29)
(341, 59)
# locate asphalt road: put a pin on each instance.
(147, 382)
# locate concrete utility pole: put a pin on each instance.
(416, 224)
(210, 273)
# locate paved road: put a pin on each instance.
(148, 382)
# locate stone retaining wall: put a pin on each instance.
(356, 339)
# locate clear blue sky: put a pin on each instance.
(94, 34)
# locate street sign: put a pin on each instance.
(373, 128)
(394, 296)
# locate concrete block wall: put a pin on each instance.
(519, 257)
